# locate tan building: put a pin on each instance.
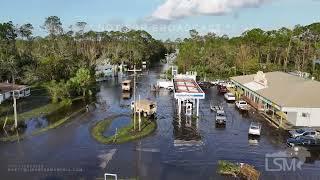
(284, 95)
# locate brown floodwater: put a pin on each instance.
(183, 148)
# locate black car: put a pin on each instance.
(205, 85)
(303, 141)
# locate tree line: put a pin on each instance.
(68, 55)
(214, 56)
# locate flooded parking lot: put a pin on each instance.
(179, 149)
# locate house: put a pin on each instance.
(104, 68)
(7, 89)
(286, 96)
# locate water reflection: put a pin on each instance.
(126, 95)
(253, 140)
(185, 131)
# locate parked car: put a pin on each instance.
(304, 132)
(306, 141)
(221, 82)
(215, 82)
(222, 89)
(204, 85)
(242, 105)
(255, 129)
(166, 84)
(221, 117)
(229, 97)
(229, 84)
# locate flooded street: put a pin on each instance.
(189, 149)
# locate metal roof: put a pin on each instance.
(5, 87)
(285, 90)
(186, 88)
(126, 82)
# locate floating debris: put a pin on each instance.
(240, 170)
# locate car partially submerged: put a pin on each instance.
(255, 129)
(204, 84)
(222, 89)
(304, 132)
(220, 117)
(305, 141)
(229, 97)
(242, 105)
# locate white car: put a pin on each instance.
(255, 129)
(215, 82)
(229, 85)
(242, 105)
(221, 117)
(229, 97)
(304, 132)
(221, 82)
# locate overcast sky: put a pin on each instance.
(165, 18)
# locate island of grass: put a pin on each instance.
(238, 170)
(126, 134)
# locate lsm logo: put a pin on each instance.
(289, 160)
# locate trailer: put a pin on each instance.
(146, 107)
(126, 85)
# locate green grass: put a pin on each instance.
(36, 112)
(43, 110)
(42, 130)
(125, 134)
(228, 168)
(59, 122)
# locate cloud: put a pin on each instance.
(178, 9)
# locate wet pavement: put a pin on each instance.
(187, 149)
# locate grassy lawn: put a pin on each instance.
(43, 110)
(38, 104)
(125, 134)
(39, 131)
(228, 168)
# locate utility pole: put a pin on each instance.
(15, 110)
(139, 117)
(15, 94)
(134, 70)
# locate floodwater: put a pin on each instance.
(179, 149)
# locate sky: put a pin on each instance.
(165, 18)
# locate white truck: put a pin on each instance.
(166, 84)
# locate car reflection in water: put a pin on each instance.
(126, 95)
(253, 140)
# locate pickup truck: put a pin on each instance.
(220, 117)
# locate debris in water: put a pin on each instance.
(241, 170)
